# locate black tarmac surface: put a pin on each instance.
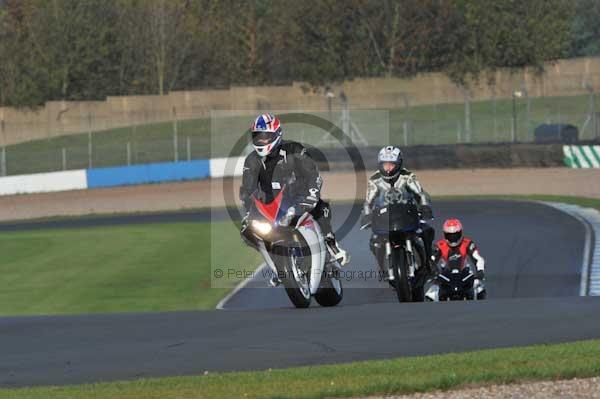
(533, 255)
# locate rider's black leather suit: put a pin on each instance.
(291, 166)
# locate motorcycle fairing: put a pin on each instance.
(272, 210)
(314, 239)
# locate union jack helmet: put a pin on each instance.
(266, 134)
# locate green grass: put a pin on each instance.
(385, 377)
(429, 124)
(145, 267)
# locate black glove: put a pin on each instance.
(479, 275)
(245, 221)
(365, 221)
(307, 204)
(426, 212)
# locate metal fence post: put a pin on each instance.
(514, 117)
(64, 158)
(435, 118)
(175, 143)
(494, 111)
(3, 152)
(90, 164)
(189, 148)
(512, 130)
(467, 118)
(3, 161)
(467, 98)
(525, 93)
(134, 133)
(128, 153)
(90, 140)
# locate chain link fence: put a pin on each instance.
(188, 136)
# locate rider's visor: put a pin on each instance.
(453, 237)
(263, 138)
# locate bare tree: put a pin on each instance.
(169, 35)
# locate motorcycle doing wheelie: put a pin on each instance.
(456, 282)
(396, 217)
(294, 249)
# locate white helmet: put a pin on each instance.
(387, 155)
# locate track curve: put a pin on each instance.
(534, 252)
(531, 250)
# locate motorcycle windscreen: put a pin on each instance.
(398, 217)
(459, 280)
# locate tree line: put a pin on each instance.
(90, 49)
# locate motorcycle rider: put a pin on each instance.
(276, 163)
(391, 175)
(456, 245)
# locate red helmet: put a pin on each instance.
(453, 232)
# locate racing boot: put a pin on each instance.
(274, 281)
(335, 250)
(479, 285)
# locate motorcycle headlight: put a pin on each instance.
(261, 227)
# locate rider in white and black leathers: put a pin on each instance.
(390, 175)
(276, 163)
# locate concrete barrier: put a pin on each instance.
(226, 167)
(418, 157)
(43, 182)
(121, 176)
(148, 173)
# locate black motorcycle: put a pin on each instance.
(456, 282)
(396, 217)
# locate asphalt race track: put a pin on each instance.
(531, 250)
(533, 254)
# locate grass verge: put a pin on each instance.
(145, 267)
(385, 377)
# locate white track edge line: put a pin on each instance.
(237, 288)
(588, 267)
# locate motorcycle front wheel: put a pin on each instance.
(295, 278)
(400, 267)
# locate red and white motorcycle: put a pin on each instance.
(294, 248)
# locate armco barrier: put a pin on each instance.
(120, 176)
(148, 173)
(43, 182)
(417, 157)
(582, 156)
(225, 167)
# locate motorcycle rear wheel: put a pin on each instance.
(418, 289)
(330, 293)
